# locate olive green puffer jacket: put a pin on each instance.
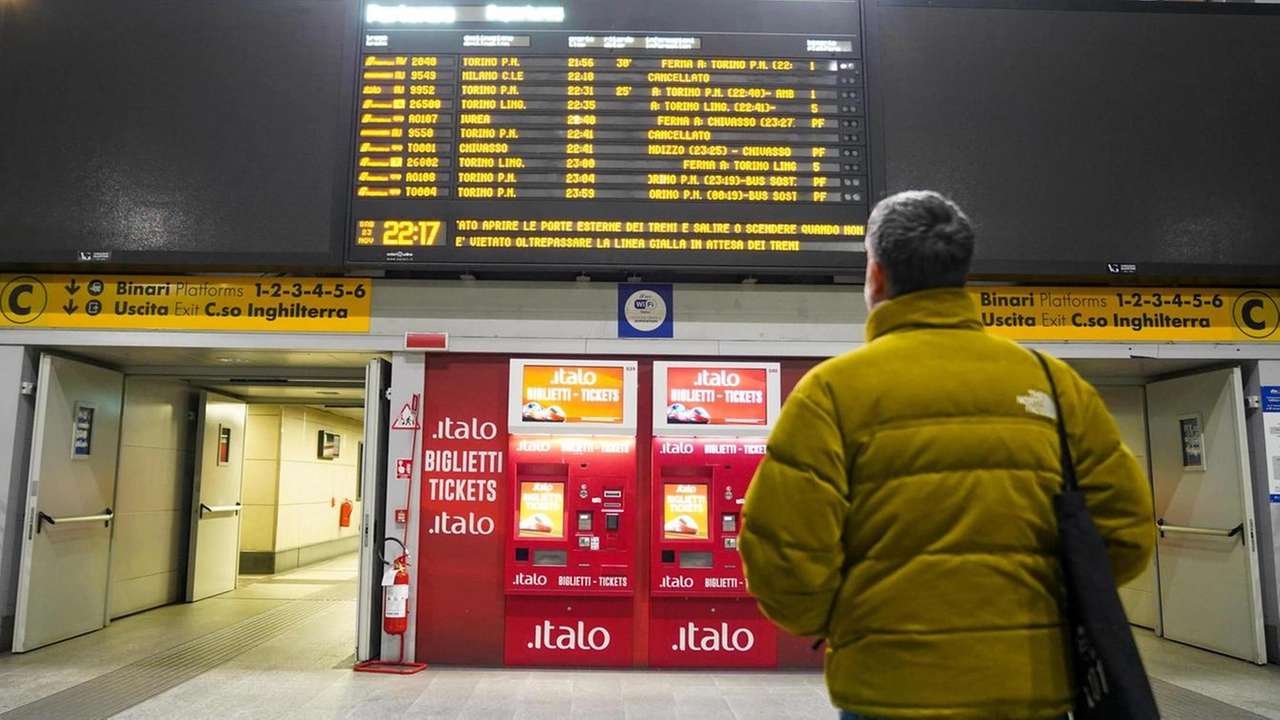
(904, 513)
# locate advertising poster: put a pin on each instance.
(568, 394)
(684, 512)
(541, 510)
(82, 432)
(717, 396)
(224, 445)
(1192, 442)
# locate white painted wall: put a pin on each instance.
(148, 548)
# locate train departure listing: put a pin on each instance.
(467, 142)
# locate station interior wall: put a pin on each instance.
(292, 497)
(152, 503)
(570, 320)
(1127, 404)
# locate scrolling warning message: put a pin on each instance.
(727, 133)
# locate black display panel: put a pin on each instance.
(176, 132)
(710, 134)
(1127, 138)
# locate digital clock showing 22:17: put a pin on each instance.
(408, 233)
(318, 290)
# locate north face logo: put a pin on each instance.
(1039, 403)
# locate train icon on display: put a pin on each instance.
(678, 413)
(534, 412)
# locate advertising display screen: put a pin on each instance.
(720, 133)
(700, 396)
(684, 511)
(541, 510)
(558, 394)
(695, 398)
(562, 397)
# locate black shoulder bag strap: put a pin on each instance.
(1110, 682)
(1068, 465)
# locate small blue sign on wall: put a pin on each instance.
(1271, 398)
(646, 310)
(82, 432)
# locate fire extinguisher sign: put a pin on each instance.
(404, 468)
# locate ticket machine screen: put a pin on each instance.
(541, 509)
(684, 511)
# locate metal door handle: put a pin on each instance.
(218, 508)
(1214, 532)
(104, 518)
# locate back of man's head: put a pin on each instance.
(921, 240)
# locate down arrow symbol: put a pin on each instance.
(70, 307)
(72, 288)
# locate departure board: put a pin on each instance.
(704, 134)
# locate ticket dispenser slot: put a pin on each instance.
(696, 560)
(550, 558)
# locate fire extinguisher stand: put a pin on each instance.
(395, 590)
(395, 612)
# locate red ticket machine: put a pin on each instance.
(570, 550)
(701, 614)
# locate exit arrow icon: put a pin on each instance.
(72, 288)
(70, 307)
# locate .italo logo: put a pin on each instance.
(676, 583)
(712, 639)
(573, 376)
(719, 378)
(534, 579)
(677, 448)
(470, 429)
(526, 445)
(569, 637)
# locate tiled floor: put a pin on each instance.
(291, 636)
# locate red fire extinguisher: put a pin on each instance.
(344, 514)
(395, 599)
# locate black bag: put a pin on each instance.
(1111, 683)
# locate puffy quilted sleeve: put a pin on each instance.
(1115, 488)
(793, 519)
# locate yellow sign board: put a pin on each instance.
(154, 302)
(1113, 314)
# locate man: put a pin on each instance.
(904, 509)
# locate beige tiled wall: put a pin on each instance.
(311, 489)
(261, 473)
(1128, 404)
(292, 497)
(148, 551)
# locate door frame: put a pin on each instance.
(373, 490)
